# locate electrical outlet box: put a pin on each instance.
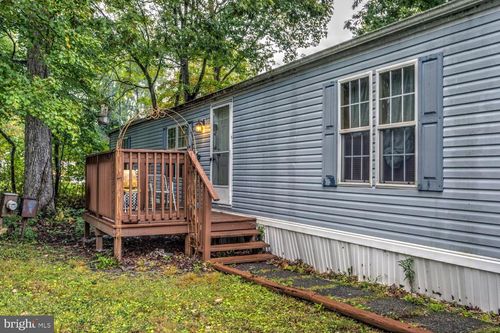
(8, 202)
(29, 207)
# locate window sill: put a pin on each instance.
(344, 184)
(396, 186)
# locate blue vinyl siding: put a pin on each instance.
(277, 145)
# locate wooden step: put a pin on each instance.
(233, 226)
(235, 233)
(238, 246)
(244, 259)
(230, 218)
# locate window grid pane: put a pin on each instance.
(397, 95)
(354, 103)
(182, 136)
(355, 157)
(398, 155)
(171, 138)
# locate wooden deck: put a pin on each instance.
(223, 225)
(150, 192)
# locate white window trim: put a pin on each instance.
(359, 129)
(212, 108)
(176, 137)
(378, 127)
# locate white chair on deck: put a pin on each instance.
(158, 190)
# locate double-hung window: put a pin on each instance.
(176, 137)
(355, 130)
(397, 125)
(397, 141)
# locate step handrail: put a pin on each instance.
(203, 176)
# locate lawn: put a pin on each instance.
(41, 279)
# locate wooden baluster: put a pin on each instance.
(147, 188)
(162, 186)
(138, 209)
(184, 182)
(187, 193)
(130, 186)
(170, 181)
(118, 202)
(154, 186)
(207, 223)
(177, 173)
(97, 187)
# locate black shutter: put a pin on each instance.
(330, 116)
(430, 123)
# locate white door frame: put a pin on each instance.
(230, 179)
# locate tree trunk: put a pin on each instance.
(185, 79)
(38, 147)
(152, 93)
(151, 82)
(217, 70)
(12, 161)
(38, 163)
(57, 165)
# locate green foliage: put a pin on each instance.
(417, 300)
(408, 269)
(104, 262)
(436, 307)
(68, 98)
(14, 129)
(173, 51)
(375, 14)
(121, 55)
(15, 229)
(33, 277)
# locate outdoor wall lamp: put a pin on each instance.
(199, 127)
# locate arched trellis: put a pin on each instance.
(154, 114)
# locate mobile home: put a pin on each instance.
(378, 149)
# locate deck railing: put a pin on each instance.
(199, 196)
(134, 186)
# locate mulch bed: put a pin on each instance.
(393, 307)
(443, 322)
(387, 304)
(345, 292)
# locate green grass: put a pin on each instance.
(38, 279)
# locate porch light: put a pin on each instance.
(199, 127)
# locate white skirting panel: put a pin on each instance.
(447, 281)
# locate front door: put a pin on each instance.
(221, 151)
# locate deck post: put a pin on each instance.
(98, 240)
(187, 245)
(207, 225)
(119, 202)
(117, 247)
